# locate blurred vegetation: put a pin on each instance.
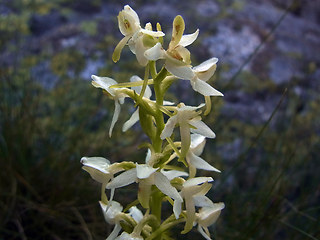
(271, 190)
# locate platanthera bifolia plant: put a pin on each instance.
(168, 175)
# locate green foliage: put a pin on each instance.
(43, 136)
(89, 27)
(64, 62)
(12, 26)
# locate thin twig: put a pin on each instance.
(299, 230)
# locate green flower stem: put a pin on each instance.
(147, 218)
(104, 197)
(126, 218)
(157, 141)
(166, 83)
(164, 227)
(173, 146)
(208, 105)
(145, 80)
(156, 203)
(131, 84)
(153, 70)
(158, 87)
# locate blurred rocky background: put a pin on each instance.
(267, 124)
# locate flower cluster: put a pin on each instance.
(169, 171)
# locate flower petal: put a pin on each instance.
(127, 236)
(197, 181)
(202, 201)
(168, 128)
(147, 93)
(132, 120)
(97, 167)
(203, 233)
(206, 65)
(123, 179)
(188, 39)
(144, 171)
(118, 49)
(202, 129)
(199, 163)
(163, 184)
(183, 72)
(173, 174)
(135, 213)
(98, 163)
(154, 53)
(152, 33)
(128, 21)
(110, 211)
(139, 51)
(177, 204)
(197, 143)
(115, 117)
(204, 88)
(104, 83)
(115, 232)
(177, 31)
(209, 215)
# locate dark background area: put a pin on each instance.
(267, 124)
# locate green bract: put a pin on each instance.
(168, 173)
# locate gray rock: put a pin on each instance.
(232, 47)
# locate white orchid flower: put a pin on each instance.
(208, 216)
(189, 121)
(193, 191)
(177, 60)
(177, 57)
(194, 161)
(97, 167)
(135, 213)
(146, 176)
(110, 212)
(202, 73)
(99, 170)
(115, 94)
(139, 39)
(143, 40)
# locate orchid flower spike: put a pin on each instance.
(114, 93)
